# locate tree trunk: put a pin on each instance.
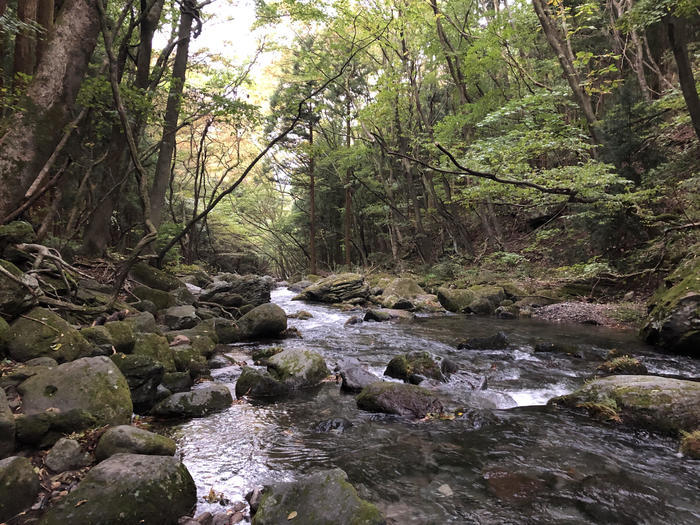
(45, 19)
(51, 96)
(25, 41)
(172, 112)
(312, 204)
(676, 35)
(347, 231)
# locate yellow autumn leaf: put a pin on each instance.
(292, 515)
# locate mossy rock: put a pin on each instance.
(155, 346)
(45, 428)
(455, 299)
(16, 232)
(407, 366)
(16, 298)
(133, 440)
(336, 289)
(254, 382)
(7, 427)
(196, 403)
(187, 358)
(143, 374)
(399, 293)
(181, 317)
(322, 498)
(177, 382)
(94, 384)
(623, 365)
(261, 356)
(154, 278)
(298, 368)
(122, 335)
(128, 488)
(161, 299)
(690, 444)
(99, 337)
(659, 403)
(4, 336)
(398, 398)
(41, 332)
(264, 321)
(19, 486)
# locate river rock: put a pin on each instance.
(67, 454)
(4, 336)
(98, 337)
(355, 378)
(155, 346)
(7, 427)
(94, 384)
(16, 232)
(300, 286)
(187, 359)
(180, 317)
(623, 365)
(690, 445)
(266, 320)
(196, 403)
(674, 318)
(413, 365)
(251, 289)
(322, 498)
(161, 299)
(41, 332)
(398, 398)
(336, 289)
(133, 440)
(43, 429)
(386, 314)
(478, 299)
(177, 381)
(154, 278)
(659, 403)
(142, 322)
(128, 488)
(298, 368)
(302, 315)
(498, 341)
(254, 382)
(143, 374)
(14, 297)
(19, 486)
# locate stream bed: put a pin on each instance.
(511, 460)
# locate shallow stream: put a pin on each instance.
(510, 461)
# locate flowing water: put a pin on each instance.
(512, 460)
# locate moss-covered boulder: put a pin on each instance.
(67, 454)
(236, 290)
(133, 440)
(154, 278)
(4, 336)
(355, 378)
(623, 365)
(400, 294)
(7, 427)
(41, 332)
(43, 429)
(266, 320)
(254, 382)
(122, 335)
(398, 398)
(93, 384)
(690, 444)
(413, 367)
(323, 498)
(155, 346)
(658, 403)
(336, 289)
(478, 299)
(188, 359)
(261, 356)
(16, 232)
(16, 298)
(181, 317)
(161, 299)
(177, 382)
(674, 317)
(128, 488)
(98, 337)
(19, 486)
(142, 322)
(196, 403)
(298, 368)
(143, 374)
(498, 341)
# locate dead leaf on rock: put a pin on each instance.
(292, 515)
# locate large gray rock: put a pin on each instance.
(41, 332)
(157, 347)
(355, 379)
(254, 382)
(252, 289)
(180, 317)
(266, 320)
(323, 498)
(196, 403)
(155, 278)
(128, 489)
(298, 368)
(161, 299)
(398, 398)
(7, 427)
(67, 454)
(19, 486)
(14, 297)
(413, 367)
(143, 374)
(478, 299)
(142, 322)
(133, 440)
(336, 289)
(44, 429)
(93, 384)
(659, 403)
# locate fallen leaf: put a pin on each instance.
(292, 515)
(81, 502)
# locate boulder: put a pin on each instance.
(261, 356)
(180, 317)
(300, 286)
(4, 336)
(122, 335)
(98, 337)
(161, 299)
(7, 427)
(674, 319)
(67, 454)
(128, 488)
(143, 374)
(386, 314)
(41, 332)
(498, 341)
(177, 382)
(45, 428)
(355, 378)
(155, 346)
(142, 322)
(93, 384)
(154, 278)
(266, 320)
(623, 365)
(413, 366)
(251, 289)
(188, 359)
(14, 297)
(478, 299)
(336, 289)
(133, 440)
(19, 486)
(400, 294)
(658, 403)
(302, 315)
(690, 445)
(322, 498)
(398, 398)
(298, 368)
(196, 403)
(254, 382)
(16, 232)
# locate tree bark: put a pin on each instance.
(347, 230)
(313, 264)
(51, 96)
(676, 35)
(45, 19)
(172, 112)
(25, 41)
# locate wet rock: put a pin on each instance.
(513, 487)
(497, 341)
(41, 332)
(44, 429)
(386, 314)
(298, 368)
(143, 322)
(302, 315)
(196, 403)
(479, 299)
(154, 278)
(659, 403)
(67, 454)
(266, 320)
(145, 305)
(448, 366)
(251, 289)
(7, 427)
(300, 286)
(94, 384)
(337, 425)
(489, 400)
(261, 356)
(161, 299)
(15, 298)
(187, 359)
(558, 348)
(336, 289)
(4, 336)
(319, 499)
(690, 445)
(143, 374)
(19, 486)
(623, 365)
(98, 337)
(414, 364)
(352, 321)
(156, 347)
(128, 488)
(398, 398)
(133, 440)
(219, 361)
(177, 381)
(180, 317)
(355, 378)
(254, 382)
